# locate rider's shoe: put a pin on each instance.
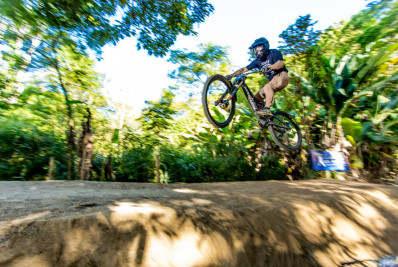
(264, 112)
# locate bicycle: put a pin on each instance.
(391, 261)
(219, 103)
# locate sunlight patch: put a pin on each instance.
(186, 191)
(202, 201)
(30, 217)
(384, 199)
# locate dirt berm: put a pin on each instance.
(271, 223)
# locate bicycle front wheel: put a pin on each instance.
(217, 104)
(285, 131)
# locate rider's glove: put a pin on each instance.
(229, 77)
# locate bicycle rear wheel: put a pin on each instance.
(285, 131)
(218, 108)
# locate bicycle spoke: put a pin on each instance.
(218, 109)
(284, 131)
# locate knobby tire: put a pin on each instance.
(274, 131)
(207, 106)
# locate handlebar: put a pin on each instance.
(240, 79)
(253, 71)
(244, 75)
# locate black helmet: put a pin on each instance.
(260, 42)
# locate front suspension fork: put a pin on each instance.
(226, 101)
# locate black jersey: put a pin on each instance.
(273, 56)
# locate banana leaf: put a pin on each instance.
(352, 128)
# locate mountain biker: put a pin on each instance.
(270, 62)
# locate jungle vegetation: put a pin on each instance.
(58, 124)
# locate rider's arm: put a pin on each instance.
(239, 72)
(277, 65)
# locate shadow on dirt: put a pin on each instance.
(311, 223)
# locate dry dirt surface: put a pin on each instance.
(270, 223)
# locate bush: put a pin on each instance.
(188, 167)
(25, 152)
(135, 165)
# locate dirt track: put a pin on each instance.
(301, 223)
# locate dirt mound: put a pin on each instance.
(301, 223)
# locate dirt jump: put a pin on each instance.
(262, 223)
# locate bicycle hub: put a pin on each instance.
(224, 104)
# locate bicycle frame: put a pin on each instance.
(250, 98)
(248, 94)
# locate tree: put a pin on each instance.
(32, 133)
(73, 73)
(299, 43)
(67, 67)
(299, 40)
(299, 37)
(194, 67)
(86, 149)
(155, 121)
(95, 23)
(352, 75)
(156, 117)
(43, 30)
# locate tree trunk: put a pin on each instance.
(157, 164)
(295, 163)
(86, 150)
(108, 169)
(326, 134)
(71, 131)
(268, 148)
(341, 144)
(51, 168)
(71, 146)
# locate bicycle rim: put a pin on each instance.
(218, 110)
(285, 131)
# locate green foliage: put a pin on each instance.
(352, 73)
(345, 76)
(94, 23)
(7, 92)
(135, 165)
(299, 37)
(156, 118)
(26, 148)
(194, 67)
(189, 167)
(43, 102)
(352, 128)
(337, 75)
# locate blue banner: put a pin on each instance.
(327, 161)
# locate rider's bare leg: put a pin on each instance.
(269, 95)
(279, 82)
